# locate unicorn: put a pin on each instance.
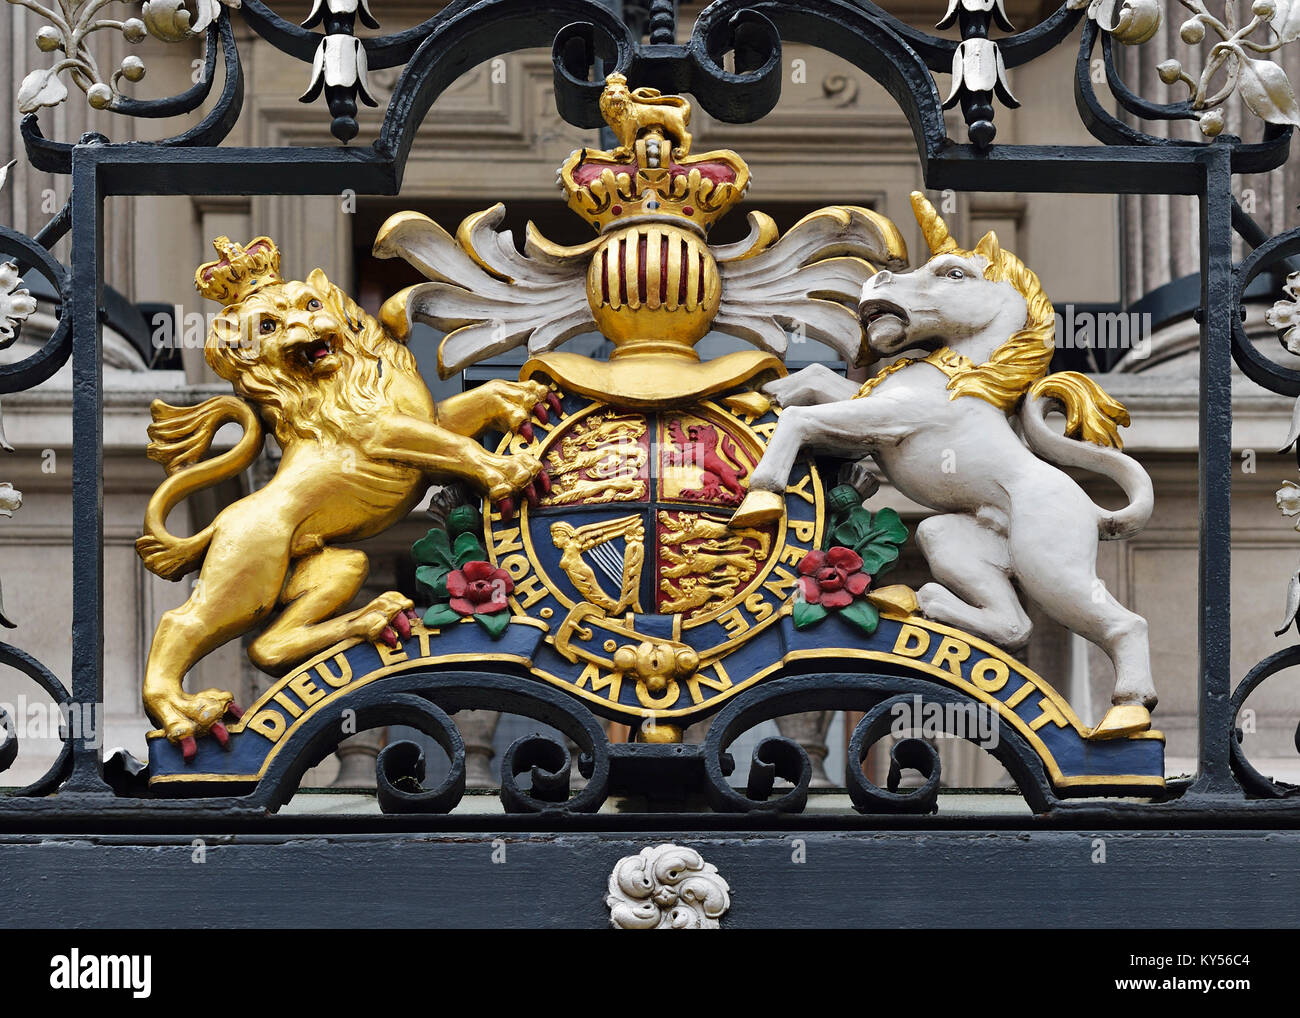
(960, 426)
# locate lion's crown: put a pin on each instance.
(240, 271)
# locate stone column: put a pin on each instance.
(477, 728)
(809, 731)
(357, 759)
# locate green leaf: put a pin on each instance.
(887, 527)
(433, 549)
(434, 579)
(879, 558)
(845, 534)
(468, 548)
(441, 615)
(807, 614)
(856, 525)
(863, 615)
(495, 622)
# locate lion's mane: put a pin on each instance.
(303, 407)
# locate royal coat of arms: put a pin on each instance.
(654, 535)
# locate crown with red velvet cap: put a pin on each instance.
(651, 175)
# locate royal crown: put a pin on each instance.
(651, 175)
(240, 271)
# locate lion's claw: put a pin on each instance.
(218, 732)
(506, 507)
(541, 414)
(530, 493)
(543, 481)
(403, 625)
(389, 636)
(234, 710)
(554, 401)
(526, 431)
(189, 748)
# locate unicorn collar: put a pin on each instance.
(946, 359)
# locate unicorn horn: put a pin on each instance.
(932, 225)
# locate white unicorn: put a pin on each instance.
(940, 426)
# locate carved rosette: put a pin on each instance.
(666, 887)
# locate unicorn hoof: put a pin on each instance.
(1121, 721)
(758, 508)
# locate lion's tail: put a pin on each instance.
(179, 436)
(1091, 442)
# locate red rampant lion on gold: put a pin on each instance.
(700, 445)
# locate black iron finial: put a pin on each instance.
(663, 22)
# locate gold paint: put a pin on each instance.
(656, 663)
(607, 449)
(896, 599)
(807, 531)
(552, 251)
(361, 440)
(758, 508)
(653, 379)
(574, 542)
(747, 404)
(464, 237)
(705, 560)
(659, 733)
(652, 282)
(1122, 721)
(630, 113)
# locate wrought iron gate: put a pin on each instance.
(1245, 823)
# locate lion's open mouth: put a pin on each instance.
(318, 351)
(872, 311)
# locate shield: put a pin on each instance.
(630, 560)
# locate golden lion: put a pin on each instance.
(361, 442)
(630, 112)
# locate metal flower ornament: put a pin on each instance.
(74, 22)
(16, 306)
(1284, 315)
(979, 72)
(339, 68)
(1131, 22)
(1238, 55)
(666, 887)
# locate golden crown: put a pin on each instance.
(240, 271)
(651, 174)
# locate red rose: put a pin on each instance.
(479, 588)
(832, 578)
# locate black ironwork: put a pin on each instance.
(585, 35)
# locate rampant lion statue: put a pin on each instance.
(361, 441)
(940, 428)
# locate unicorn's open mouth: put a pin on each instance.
(875, 310)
